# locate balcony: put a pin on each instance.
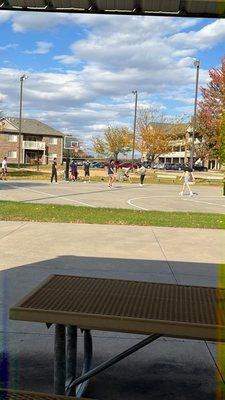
(33, 145)
(177, 154)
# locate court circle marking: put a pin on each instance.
(191, 200)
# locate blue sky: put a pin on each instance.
(82, 68)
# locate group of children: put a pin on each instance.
(188, 177)
(112, 171)
(73, 171)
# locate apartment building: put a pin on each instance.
(180, 151)
(39, 142)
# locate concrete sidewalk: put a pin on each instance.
(169, 368)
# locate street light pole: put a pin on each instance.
(135, 123)
(197, 65)
(22, 78)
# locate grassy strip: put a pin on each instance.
(15, 211)
(100, 175)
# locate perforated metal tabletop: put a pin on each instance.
(126, 306)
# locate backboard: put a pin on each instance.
(71, 143)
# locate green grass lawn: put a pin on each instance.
(16, 211)
(31, 175)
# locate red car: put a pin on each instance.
(127, 165)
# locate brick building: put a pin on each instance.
(38, 141)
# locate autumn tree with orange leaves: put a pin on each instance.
(211, 116)
(156, 134)
(115, 140)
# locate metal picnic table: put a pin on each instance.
(154, 309)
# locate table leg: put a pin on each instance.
(71, 356)
(80, 390)
(59, 361)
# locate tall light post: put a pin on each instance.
(197, 65)
(22, 78)
(135, 123)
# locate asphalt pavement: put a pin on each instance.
(161, 197)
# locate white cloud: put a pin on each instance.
(115, 55)
(67, 59)
(23, 22)
(152, 25)
(3, 97)
(41, 48)
(120, 53)
(5, 16)
(205, 38)
(8, 46)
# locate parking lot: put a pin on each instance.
(161, 197)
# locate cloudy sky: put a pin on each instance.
(82, 68)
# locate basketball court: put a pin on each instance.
(149, 197)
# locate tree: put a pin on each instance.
(222, 141)
(115, 141)
(201, 150)
(80, 153)
(211, 112)
(1, 117)
(156, 134)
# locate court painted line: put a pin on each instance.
(52, 196)
(134, 205)
(204, 202)
(130, 201)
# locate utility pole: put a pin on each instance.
(22, 78)
(135, 123)
(197, 65)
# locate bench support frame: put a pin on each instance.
(65, 380)
(59, 360)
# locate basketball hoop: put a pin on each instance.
(74, 147)
(71, 143)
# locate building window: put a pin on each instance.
(12, 154)
(53, 140)
(51, 156)
(12, 138)
(31, 138)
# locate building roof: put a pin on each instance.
(33, 127)
(179, 8)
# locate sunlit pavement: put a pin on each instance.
(167, 369)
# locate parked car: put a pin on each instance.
(174, 167)
(198, 167)
(179, 167)
(168, 166)
(96, 164)
(147, 164)
(158, 166)
(128, 165)
(80, 163)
